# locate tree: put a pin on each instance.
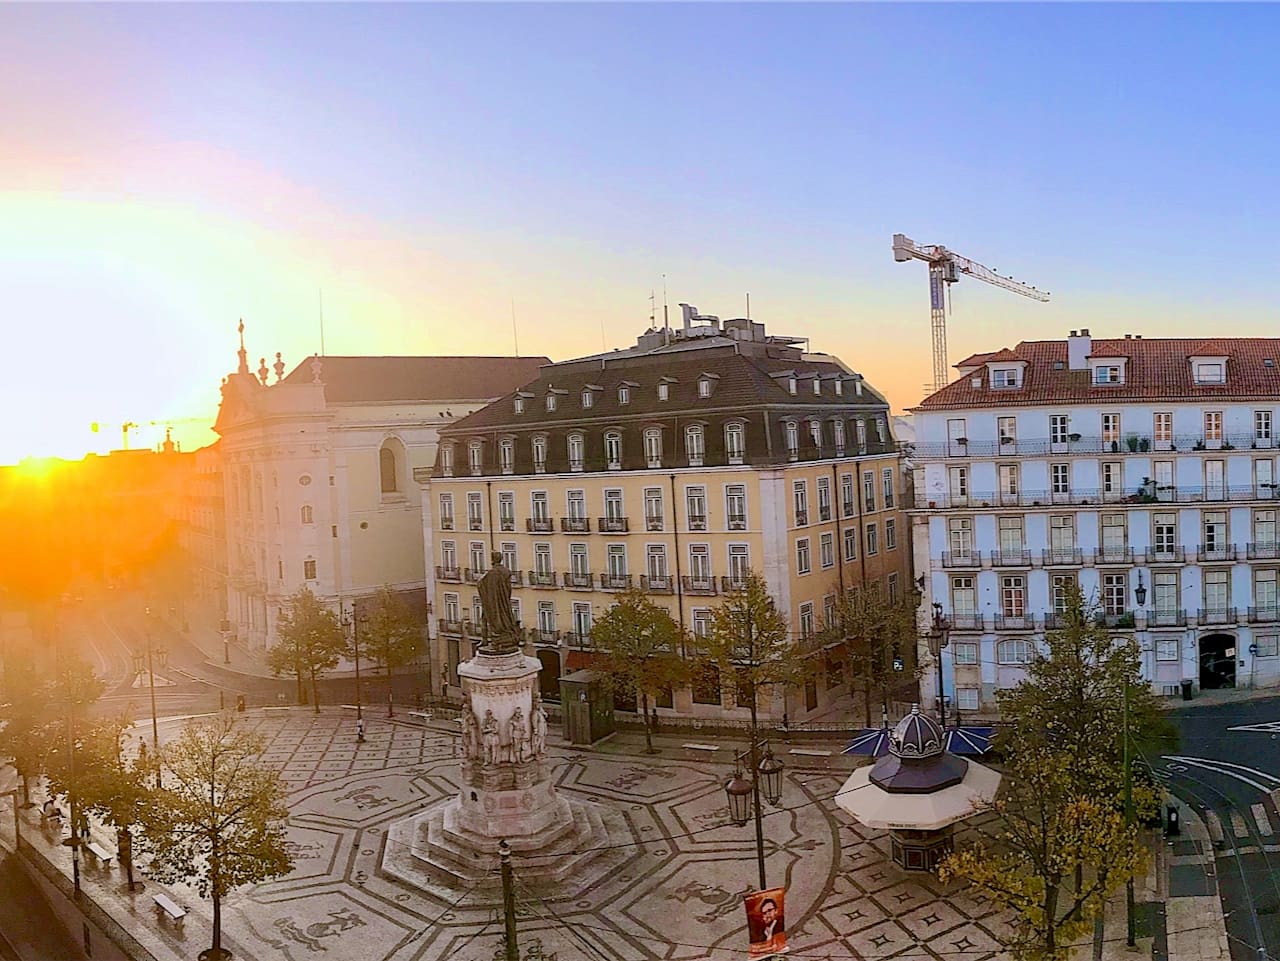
(118, 785)
(1049, 831)
(23, 719)
(875, 630)
(638, 643)
(219, 818)
(392, 634)
(311, 641)
(66, 732)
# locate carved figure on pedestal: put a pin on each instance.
(470, 733)
(502, 633)
(519, 731)
(538, 739)
(490, 736)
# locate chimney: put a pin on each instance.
(1078, 346)
(688, 312)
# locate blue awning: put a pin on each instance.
(972, 741)
(871, 742)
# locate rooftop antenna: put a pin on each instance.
(748, 306)
(653, 309)
(515, 334)
(321, 321)
(666, 320)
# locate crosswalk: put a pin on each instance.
(1241, 829)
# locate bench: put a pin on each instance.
(104, 856)
(703, 748)
(168, 906)
(276, 709)
(423, 716)
(811, 752)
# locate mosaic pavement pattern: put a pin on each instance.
(675, 893)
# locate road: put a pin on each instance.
(1232, 777)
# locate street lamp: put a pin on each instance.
(939, 636)
(744, 794)
(1140, 592)
(353, 619)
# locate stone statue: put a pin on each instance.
(538, 740)
(489, 733)
(519, 731)
(502, 633)
(470, 733)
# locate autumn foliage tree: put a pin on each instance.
(220, 818)
(638, 648)
(311, 641)
(24, 714)
(390, 634)
(874, 628)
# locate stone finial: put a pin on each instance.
(316, 365)
(278, 367)
(242, 353)
(262, 370)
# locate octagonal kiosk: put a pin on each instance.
(918, 791)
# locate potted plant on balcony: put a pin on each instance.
(1073, 437)
(1006, 439)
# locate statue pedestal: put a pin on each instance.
(506, 794)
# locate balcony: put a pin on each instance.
(967, 622)
(961, 559)
(802, 518)
(539, 525)
(731, 584)
(446, 523)
(475, 523)
(1014, 622)
(1055, 621)
(653, 522)
(848, 508)
(698, 585)
(449, 628)
(451, 574)
(542, 579)
(578, 580)
(1264, 615)
(615, 582)
(1170, 555)
(1115, 620)
(581, 642)
(575, 525)
(1014, 558)
(737, 522)
(473, 630)
(472, 575)
(1216, 553)
(1062, 557)
(544, 638)
(697, 522)
(517, 578)
(507, 524)
(1265, 550)
(656, 584)
(1164, 494)
(1166, 618)
(1111, 554)
(1218, 615)
(613, 525)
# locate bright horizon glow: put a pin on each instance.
(169, 170)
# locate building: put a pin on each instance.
(1142, 469)
(674, 466)
(318, 470)
(204, 536)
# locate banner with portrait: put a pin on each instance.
(766, 924)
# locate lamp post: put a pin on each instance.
(151, 683)
(352, 620)
(939, 636)
(744, 794)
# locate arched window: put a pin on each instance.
(577, 451)
(507, 455)
(694, 446)
(837, 429)
(539, 455)
(306, 514)
(387, 470)
(446, 460)
(613, 449)
(653, 446)
(734, 442)
(815, 432)
(475, 457)
(793, 440)
(1015, 650)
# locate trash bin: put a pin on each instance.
(1171, 825)
(1186, 689)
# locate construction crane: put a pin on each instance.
(168, 423)
(945, 267)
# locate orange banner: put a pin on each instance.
(766, 925)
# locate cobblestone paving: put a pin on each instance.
(674, 895)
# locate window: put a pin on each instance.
(1008, 474)
(448, 556)
(735, 505)
(1210, 374)
(577, 449)
(306, 514)
(1267, 644)
(1164, 532)
(815, 433)
(507, 455)
(309, 570)
(850, 543)
(1167, 649)
(860, 434)
(848, 506)
(1114, 534)
(579, 562)
(1059, 587)
(1262, 426)
(704, 387)
(959, 481)
(1217, 590)
(739, 563)
(1264, 528)
(588, 399)
(581, 618)
(960, 535)
(280, 569)
(891, 585)
(446, 512)
(452, 609)
(510, 558)
(1111, 428)
(1010, 535)
(542, 560)
(1215, 531)
(1059, 428)
(387, 470)
(616, 558)
(613, 505)
(887, 488)
(803, 565)
(1060, 478)
(791, 385)
(1212, 425)
(477, 557)
(507, 510)
(1115, 593)
(664, 390)
(705, 685)
(624, 394)
(1015, 650)
(1164, 592)
(539, 455)
(793, 440)
(656, 561)
(1062, 533)
(446, 460)
(890, 534)
(824, 499)
(538, 507)
(1112, 478)
(800, 499)
(837, 431)
(653, 508)
(873, 540)
(827, 551)
(1004, 377)
(519, 404)
(547, 617)
(613, 449)
(576, 503)
(1106, 375)
(734, 444)
(551, 403)
(699, 563)
(475, 458)
(1013, 596)
(475, 511)
(806, 620)
(653, 447)
(694, 446)
(868, 491)
(695, 500)
(1264, 589)
(1162, 427)
(964, 653)
(964, 599)
(967, 698)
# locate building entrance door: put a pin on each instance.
(1217, 661)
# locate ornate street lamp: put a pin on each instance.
(939, 635)
(739, 791)
(744, 793)
(771, 777)
(1140, 592)
(353, 620)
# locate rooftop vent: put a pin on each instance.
(1058, 365)
(1268, 362)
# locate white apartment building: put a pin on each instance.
(319, 470)
(1142, 469)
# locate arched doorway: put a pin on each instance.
(549, 676)
(1217, 661)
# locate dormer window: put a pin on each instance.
(1211, 373)
(791, 386)
(664, 391)
(839, 385)
(624, 394)
(704, 388)
(519, 404)
(446, 460)
(551, 402)
(1108, 374)
(588, 399)
(817, 386)
(1004, 377)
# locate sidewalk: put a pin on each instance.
(204, 635)
(1194, 921)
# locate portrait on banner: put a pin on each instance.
(766, 926)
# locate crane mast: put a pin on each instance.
(945, 267)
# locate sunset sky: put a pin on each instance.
(167, 170)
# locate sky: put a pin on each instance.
(420, 173)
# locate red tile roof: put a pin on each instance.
(1158, 369)
(390, 379)
(1004, 353)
